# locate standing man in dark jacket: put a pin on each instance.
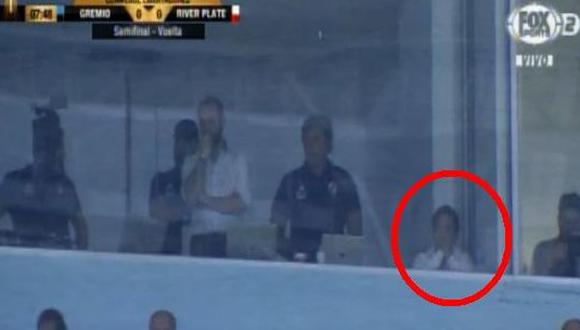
(316, 198)
(40, 198)
(166, 202)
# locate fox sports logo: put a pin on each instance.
(535, 24)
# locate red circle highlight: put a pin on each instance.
(507, 238)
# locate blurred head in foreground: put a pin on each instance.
(51, 319)
(162, 320)
(573, 324)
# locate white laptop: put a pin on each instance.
(342, 249)
(257, 242)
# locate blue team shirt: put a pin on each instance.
(315, 205)
(40, 209)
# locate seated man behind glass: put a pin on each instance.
(315, 199)
(446, 254)
(40, 198)
(558, 256)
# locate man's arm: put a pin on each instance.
(354, 223)
(279, 216)
(157, 205)
(4, 197)
(157, 208)
(2, 208)
(231, 204)
(235, 203)
(161, 207)
(77, 219)
(81, 231)
(3, 193)
(194, 183)
(557, 260)
(461, 262)
(2, 211)
(541, 263)
(428, 261)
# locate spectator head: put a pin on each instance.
(445, 227)
(573, 324)
(569, 215)
(186, 138)
(48, 140)
(211, 117)
(51, 319)
(317, 138)
(162, 320)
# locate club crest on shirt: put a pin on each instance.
(332, 188)
(301, 192)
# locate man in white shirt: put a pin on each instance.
(217, 189)
(446, 254)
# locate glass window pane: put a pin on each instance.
(409, 87)
(548, 123)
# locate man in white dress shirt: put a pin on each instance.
(446, 254)
(217, 189)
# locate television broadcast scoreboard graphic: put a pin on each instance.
(129, 19)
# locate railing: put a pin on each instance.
(119, 291)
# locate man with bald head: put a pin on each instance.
(573, 324)
(162, 320)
